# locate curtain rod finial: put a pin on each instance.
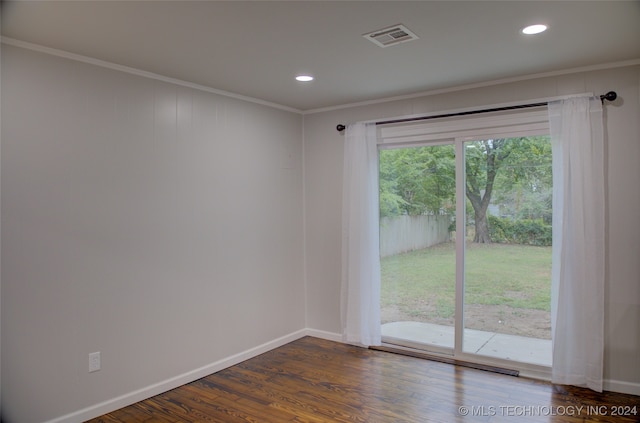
(610, 96)
(340, 127)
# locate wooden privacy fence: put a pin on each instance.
(400, 234)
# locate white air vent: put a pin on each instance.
(392, 35)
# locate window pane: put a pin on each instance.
(417, 209)
(508, 249)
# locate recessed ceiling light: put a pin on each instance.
(534, 29)
(304, 78)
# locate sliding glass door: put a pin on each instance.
(417, 245)
(507, 251)
(465, 244)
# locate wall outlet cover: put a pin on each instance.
(94, 361)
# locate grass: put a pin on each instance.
(422, 283)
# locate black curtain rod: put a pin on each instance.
(610, 96)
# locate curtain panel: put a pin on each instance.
(360, 299)
(577, 296)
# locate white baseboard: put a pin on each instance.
(621, 386)
(329, 336)
(158, 388)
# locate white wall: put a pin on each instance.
(157, 224)
(323, 160)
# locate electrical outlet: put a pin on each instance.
(94, 361)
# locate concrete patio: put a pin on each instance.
(492, 344)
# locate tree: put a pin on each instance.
(415, 181)
(523, 187)
(528, 164)
(482, 162)
(517, 171)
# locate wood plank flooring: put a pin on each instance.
(314, 380)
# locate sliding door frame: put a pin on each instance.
(457, 132)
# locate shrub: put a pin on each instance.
(500, 229)
(522, 231)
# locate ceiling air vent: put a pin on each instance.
(392, 35)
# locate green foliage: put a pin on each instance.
(417, 181)
(522, 231)
(500, 229)
(523, 187)
(511, 174)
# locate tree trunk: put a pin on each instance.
(480, 202)
(482, 227)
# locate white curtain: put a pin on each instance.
(360, 237)
(577, 298)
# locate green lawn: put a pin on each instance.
(422, 283)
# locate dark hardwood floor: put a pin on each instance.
(314, 380)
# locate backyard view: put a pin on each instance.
(509, 292)
(507, 271)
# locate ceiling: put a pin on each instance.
(256, 48)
